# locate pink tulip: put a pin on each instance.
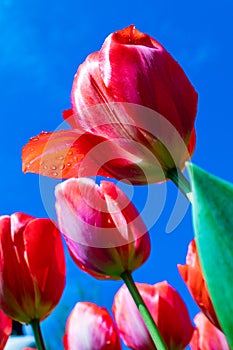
(167, 309)
(132, 117)
(90, 327)
(206, 336)
(32, 267)
(103, 230)
(5, 329)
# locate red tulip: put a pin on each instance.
(194, 279)
(5, 329)
(90, 327)
(103, 230)
(32, 267)
(206, 336)
(132, 117)
(167, 309)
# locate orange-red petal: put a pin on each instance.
(60, 154)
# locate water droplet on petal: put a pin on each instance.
(53, 167)
(61, 167)
(34, 138)
(69, 153)
(68, 164)
(60, 158)
(45, 167)
(55, 173)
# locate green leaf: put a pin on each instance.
(213, 225)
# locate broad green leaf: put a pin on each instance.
(213, 225)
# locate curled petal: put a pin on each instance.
(59, 154)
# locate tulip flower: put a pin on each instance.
(193, 277)
(32, 267)
(206, 336)
(5, 329)
(167, 309)
(103, 230)
(90, 327)
(132, 116)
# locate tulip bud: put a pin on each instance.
(132, 117)
(103, 230)
(90, 327)
(5, 329)
(167, 309)
(32, 267)
(194, 279)
(206, 336)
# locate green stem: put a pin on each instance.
(181, 182)
(150, 324)
(37, 334)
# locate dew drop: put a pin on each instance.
(34, 139)
(45, 167)
(69, 153)
(61, 167)
(44, 132)
(53, 167)
(55, 173)
(68, 164)
(60, 158)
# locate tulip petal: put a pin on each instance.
(67, 153)
(148, 77)
(129, 322)
(12, 300)
(90, 327)
(31, 263)
(162, 300)
(48, 271)
(60, 154)
(69, 117)
(5, 329)
(193, 277)
(95, 110)
(206, 336)
(123, 213)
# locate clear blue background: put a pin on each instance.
(41, 45)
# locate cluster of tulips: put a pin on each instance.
(132, 119)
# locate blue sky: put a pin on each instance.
(41, 45)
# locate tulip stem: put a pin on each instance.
(35, 324)
(149, 322)
(181, 182)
